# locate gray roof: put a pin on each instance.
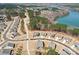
(77, 45)
(67, 50)
(2, 16)
(52, 44)
(39, 44)
(5, 52)
(63, 53)
(67, 39)
(10, 44)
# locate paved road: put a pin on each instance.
(27, 38)
(6, 31)
(4, 36)
(3, 43)
(26, 21)
(49, 40)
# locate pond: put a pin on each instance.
(72, 19)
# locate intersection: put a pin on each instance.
(30, 35)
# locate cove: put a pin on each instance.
(72, 19)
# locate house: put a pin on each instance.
(66, 50)
(76, 45)
(63, 53)
(52, 45)
(2, 18)
(9, 45)
(5, 52)
(40, 44)
(67, 40)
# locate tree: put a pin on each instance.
(75, 32)
(55, 9)
(22, 27)
(11, 12)
(19, 51)
(9, 17)
(22, 14)
(37, 13)
(38, 22)
(58, 27)
(52, 52)
(45, 9)
(31, 13)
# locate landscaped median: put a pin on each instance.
(22, 27)
(0, 36)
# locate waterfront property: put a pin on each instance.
(72, 19)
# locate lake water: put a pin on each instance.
(71, 20)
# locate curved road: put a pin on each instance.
(4, 35)
(49, 40)
(7, 39)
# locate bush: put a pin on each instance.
(52, 52)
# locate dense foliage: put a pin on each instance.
(75, 32)
(22, 27)
(31, 13)
(22, 13)
(8, 6)
(55, 9)
(41, 23)
(52, 52)
(38, 22)
(58, 27)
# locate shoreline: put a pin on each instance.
(71, 26)
(52, 16)
(61, 16)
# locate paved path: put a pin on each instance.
(27, 30)
(27, 37)
(5, 33)
(51, 39)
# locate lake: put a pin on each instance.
(72, 19)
